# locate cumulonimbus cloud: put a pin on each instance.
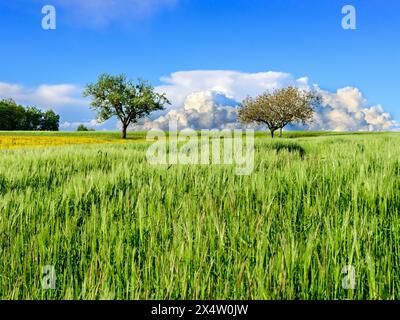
(201, 110)
(209, 99)
(348, 110)
(233, 84)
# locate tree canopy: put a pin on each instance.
(17, 117)
(279, 108)
(129, 101)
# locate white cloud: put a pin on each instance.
(48, 96)
(64, 99)
(209, 99)
(201, 110)
(348, 110)
(233, 84)
(101, 13)
(73, 125)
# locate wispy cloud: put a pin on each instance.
(45, 95)
(65, 99)
(101, 13)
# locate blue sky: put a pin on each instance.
(155, 38)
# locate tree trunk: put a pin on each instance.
(124, 129)
(280, 132)
(272, 133)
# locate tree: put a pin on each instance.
(279, 108)
(129, 101)
(82, 127)
(50, 121)
(12, 116)
(33, 118)
(16, 117)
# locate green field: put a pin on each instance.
(116, 227)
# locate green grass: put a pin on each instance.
(134, 135)
(116, 227)
(87, 134)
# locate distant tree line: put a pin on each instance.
(82, 127)
(17, 117)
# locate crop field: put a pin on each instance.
(116, 227)
(14, 142)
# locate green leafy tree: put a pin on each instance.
(279, 108)
(33, 118)
(50, 121)
(16, 117)
(129, 101)
(12, 116)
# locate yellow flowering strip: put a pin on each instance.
(14, 142)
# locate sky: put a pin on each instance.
(206, 55)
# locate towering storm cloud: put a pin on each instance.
(209, 99)
(347, 110)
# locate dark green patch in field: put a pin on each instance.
(289, 147)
